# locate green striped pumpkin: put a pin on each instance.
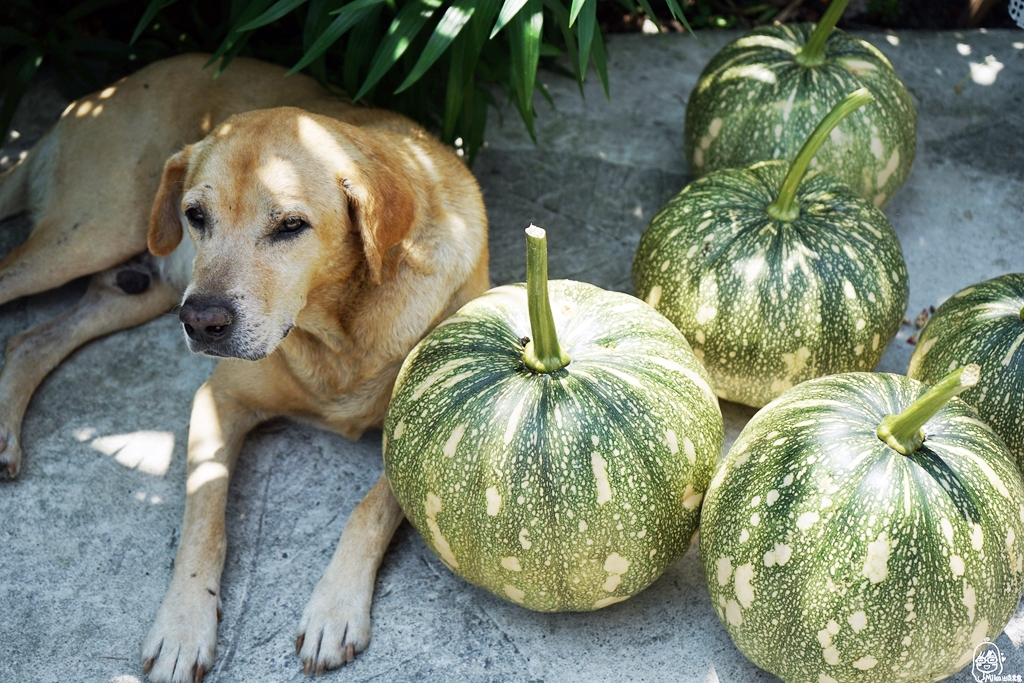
(832, 557)
(768, 303)
(567, 489)
(982, 324)
(760, 96)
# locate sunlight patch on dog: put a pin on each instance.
(145, 451)
(203, 475)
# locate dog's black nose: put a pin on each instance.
(206, 321)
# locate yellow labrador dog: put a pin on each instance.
(315, 242)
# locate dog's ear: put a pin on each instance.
(383, 207)
(165, 219)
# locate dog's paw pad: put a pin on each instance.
(333, 630)
(10, 455)
(180, 645)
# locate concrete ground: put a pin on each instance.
(88, 532)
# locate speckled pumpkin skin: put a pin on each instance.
(567, 491)
(767, 304)
(831, 558)
(755, 102)
(982, 324)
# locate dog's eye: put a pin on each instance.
(195, 217)
(290, 226)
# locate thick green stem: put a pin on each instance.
(903, 433)
(542, 352)
(813, 51)
(785, 207)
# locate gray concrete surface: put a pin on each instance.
(88, 532)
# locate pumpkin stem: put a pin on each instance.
(542, 353)
(813, 51)
(903, 433)
(785, 208)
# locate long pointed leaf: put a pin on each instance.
(245, 14)
(587, 27)
(410, 19)
(152, 9)
(673, 7)
(365, 36)
(348, 16)
(601, 62)
(465, 55)
(561, 17)
(574, 11)
(650, 13)
(275, 12)
(88, 7)
(524, 37)
(510, 9)
(454, 20)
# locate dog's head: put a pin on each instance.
(280, 203)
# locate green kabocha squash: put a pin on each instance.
(761, 95)
(865, 529)
(558, 479)
(982, 324)
(772, 279)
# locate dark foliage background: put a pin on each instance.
(438, 61)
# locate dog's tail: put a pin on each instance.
(14, 189)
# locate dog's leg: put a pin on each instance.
(181, 643)
(336, 622)
(116, 299)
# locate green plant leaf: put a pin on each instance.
(348, 16)
(410, 19)
(152, 9)
(574, 11)
(275, 12)
(524, 37)
(561, 17)
(510, 9)
(601, 62)
(30, 61)
(365, 35)
(228, 47)
(587, 27)
(673, 7)
(464, 57)
(454, 20)
(12, 36)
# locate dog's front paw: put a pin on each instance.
(181, 643)
(335, 625)
(10, 454)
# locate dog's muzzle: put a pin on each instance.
(207, 322)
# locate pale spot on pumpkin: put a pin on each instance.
(876, 564)
(654, 296)
(755, 519)
(876, 148)
(822, 678)
(604, 489)
(779, 556)
(691, 452)
(432, 506)
(399, 430)
(716, 127)
(879, 200)
(699, 336)
(453, 441)
(698, 157)
(511, 563)
(947, 530)
(890, 168)
(691, 498)
(673, 445)
(977, 537)
(583, 526)
(807, 520)
(1008, 358)
(493, 501)
(861, 324)
(513, 421)
(604, 602)
(970, 601)
(723, 567)
(831, 655)
(706, 314)
(772, 496)
(824, 638)
(441, 544)
(515, 594)
(523, 540)
(744, 535)
(875, 341)
(443, 372)
(858, 621)
(832, 626)
(956, 565)
(665, 265)
(795, 362)
(611, 583)
(848, 290)
(616, 564)
(732, 613)
(744, 585)
(865, 663)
